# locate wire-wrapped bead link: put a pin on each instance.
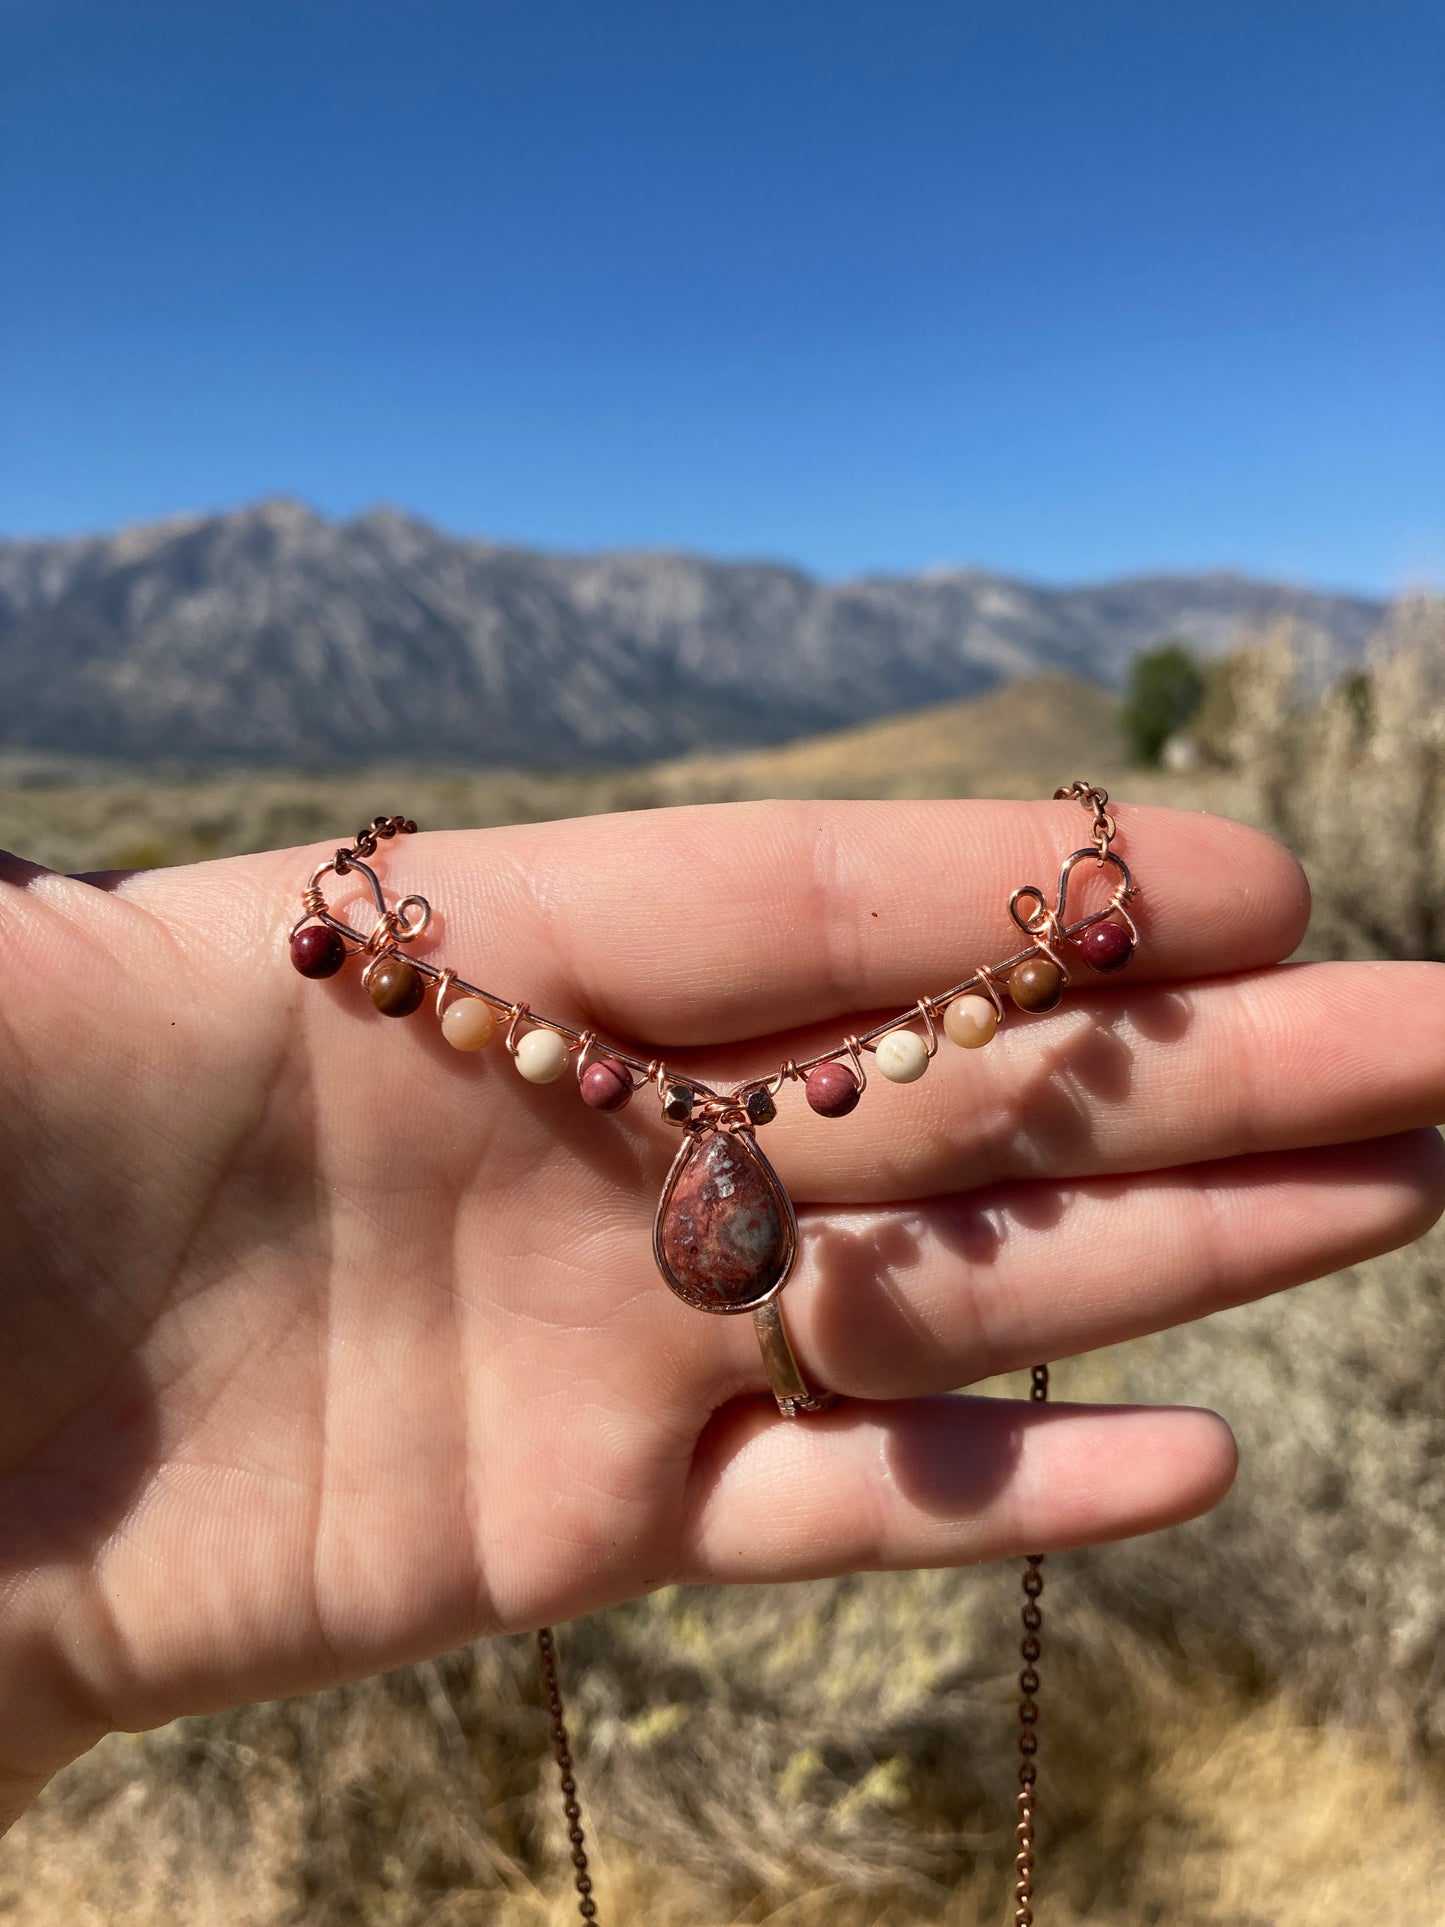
(1045, 924)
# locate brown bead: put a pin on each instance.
(317, 951)
(1106, 946)
(606, 1084)
(832, 1089)
(395, 987)
(1036, 985)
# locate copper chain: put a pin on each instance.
(366, 840)
(1033, 1622)
(1097, 801)
(547, 1647)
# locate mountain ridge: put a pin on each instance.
(276, 634)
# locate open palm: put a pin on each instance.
(326, 1346)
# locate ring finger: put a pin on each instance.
(904, 1303)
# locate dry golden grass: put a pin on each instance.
(1208, 1811)
(1007, 743)
(1243, 1719)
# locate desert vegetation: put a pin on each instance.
(1244, 1718)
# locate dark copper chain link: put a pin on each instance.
(547, 1647)
(1033, 1623)
(1097, 801)
(367, 839)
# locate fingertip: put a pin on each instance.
(1208, 1457)
(1410, 1185)
(1262, 892)
(1139, 1468)
(1286, 887)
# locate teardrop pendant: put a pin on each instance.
(725, 1235)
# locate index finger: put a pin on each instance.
(714, 922)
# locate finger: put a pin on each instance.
(940, 1482)
(665, 927)
(903, 1303)
(1274, 1060)
(19, 872)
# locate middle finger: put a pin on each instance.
(1278, 1059)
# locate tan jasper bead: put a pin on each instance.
(469, 1024)
(970, 1021)
(542, 1056)
(901, 1055)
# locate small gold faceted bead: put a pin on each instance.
(542, 1056)
(1036, 985)
(469, 1024)
(395, 987)
(970, 1021)
(902, 1056)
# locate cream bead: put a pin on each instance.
(542, 1056)
(901, 1055)
(970, 1021)
(468, 1023)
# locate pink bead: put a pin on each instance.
(1106, 946)
(832, 1089)
(606, 1084)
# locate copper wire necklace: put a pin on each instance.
(725, 1236)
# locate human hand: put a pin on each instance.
(327, 1347)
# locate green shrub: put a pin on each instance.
(1165, 689)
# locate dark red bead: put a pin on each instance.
(832, 1089)
(606, 1084)
(317, 951)
(1106, 946)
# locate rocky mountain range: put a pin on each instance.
(274, 635)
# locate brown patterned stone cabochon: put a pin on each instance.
(724, 1239)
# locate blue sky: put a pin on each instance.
(1064, 290)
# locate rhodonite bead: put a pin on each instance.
(832, 1089)
(902, 1056)
(317, 951)
(971, 1022)
(1036, 985)
(468, 1023)
(395, 987)
(1106, 946)
(542, 1056)
(606, 1084)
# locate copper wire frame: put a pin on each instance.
(989, 985)
(1045, 924)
